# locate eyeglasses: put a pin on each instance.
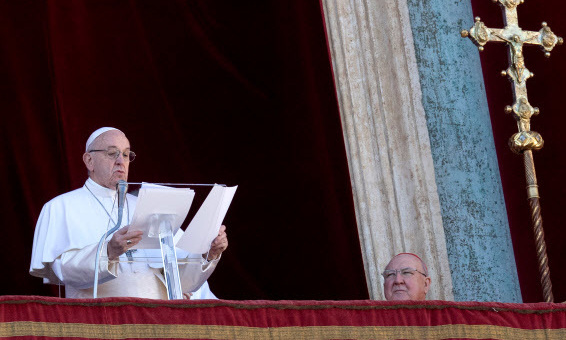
(113, 153)
(389, 274)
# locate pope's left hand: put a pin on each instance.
(219, 244)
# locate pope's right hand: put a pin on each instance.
(122, 240)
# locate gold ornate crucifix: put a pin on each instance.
(524, 141)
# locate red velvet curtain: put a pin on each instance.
(207, 91)
(546, 91)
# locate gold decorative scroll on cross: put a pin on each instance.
(524, 141)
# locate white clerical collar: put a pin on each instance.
(99, 190)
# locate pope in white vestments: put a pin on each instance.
(70, 226)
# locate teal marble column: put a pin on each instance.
(478, 241)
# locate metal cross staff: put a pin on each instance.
(525, 140)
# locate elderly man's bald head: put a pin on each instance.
(406, 278)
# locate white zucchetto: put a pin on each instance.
(96, 134)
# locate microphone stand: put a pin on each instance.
(122, 187)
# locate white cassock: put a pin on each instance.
(66, 239)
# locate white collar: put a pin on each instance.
(99, 190)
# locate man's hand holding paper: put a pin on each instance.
(122, 240)
(219, 244)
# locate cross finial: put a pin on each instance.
(517, 72)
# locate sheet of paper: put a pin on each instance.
(205, 225)
(156, 200)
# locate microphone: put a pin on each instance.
(122, 187)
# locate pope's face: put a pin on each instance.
(406, 287)
(103, 169)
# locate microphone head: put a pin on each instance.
(122, 187)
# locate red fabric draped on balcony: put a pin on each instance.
(112, 318)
